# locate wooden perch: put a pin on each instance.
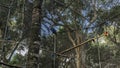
(69, 49)
(58, 54)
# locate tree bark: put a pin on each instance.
(77, 50)
(33, 52)
(77, 60)
(27, 18)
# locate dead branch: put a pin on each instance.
(69, 49)
(58, 54)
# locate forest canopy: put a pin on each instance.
(59, 33)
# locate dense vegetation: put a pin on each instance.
(59, 33)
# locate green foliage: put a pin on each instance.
(17, 60)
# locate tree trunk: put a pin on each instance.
(77, 50)
(33, 52)
(78, 53)
(78, 59)
(27, 18)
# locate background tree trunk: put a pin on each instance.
(33, 52)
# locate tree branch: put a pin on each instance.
(4, 6)
(94, 14)
(5, 64)
(71, 39)
(7, 41)
(69, 49)
(58, 54)
(72, 10)
(16, 46)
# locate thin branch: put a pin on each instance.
(103, 21)
(5, 31)
(78, 40)
(94, 14)
(85, 17)
(71, 39)
(100, 24)
(69, 49)
(61, 55)
(5, 64)
(94, 17)
(11, 41)
(1, 5)
(66, 7)
(72, 10)
(16, 46)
